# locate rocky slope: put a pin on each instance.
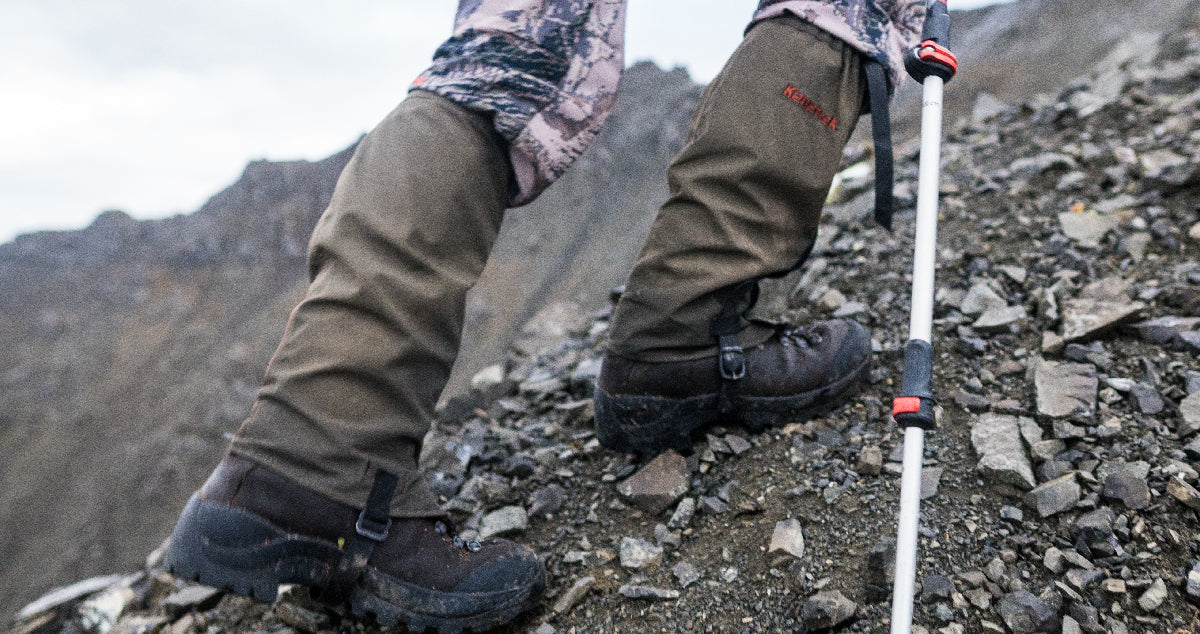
(1060, 486)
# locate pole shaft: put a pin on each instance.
(920, 327)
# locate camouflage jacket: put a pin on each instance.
(548, 69)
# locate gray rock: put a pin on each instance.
(300, 617)
(1093, 314)
(936, 587)
(1055, 496)
(997, 440)
(1126, 485)
(666, 537)
(1164, 330)
(1184, 492)
(1025, 613)
(870, 460)
(713, 505)
(827, 609)
(1087, 228)
(1154, 596)
(637, 553)
(1032, 165)
(193, 597)
(573, 596)
(1193, 448)
(67, 594)
(686, 573)
(881, 570)
(631, 591)
(737, 444)
(931, 478)
(503, 521)
(1047, 449)
(1066, 390)
(547, 501)
(980, 299)
(1053, 560)
(101, 612)
(1081, 578)
(788, 537)
(683, 514)
(1193, 582)
(1095, 525)
(545, 628)
(1148, 399)
(659, 484)
(1189, 415)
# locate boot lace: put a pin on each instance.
(800, 336)
(445, 526)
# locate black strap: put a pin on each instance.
(881, 134)
(371, 528)
(725, 326)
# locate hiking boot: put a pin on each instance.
(796, 374)
(249, 529)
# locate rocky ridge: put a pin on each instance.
(1060, 489)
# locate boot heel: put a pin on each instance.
(229, 548)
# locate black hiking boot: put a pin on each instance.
(797, 374)
(249, 529)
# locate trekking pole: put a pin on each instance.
(932, 64)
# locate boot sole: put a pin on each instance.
(232, 549)
(653, 424)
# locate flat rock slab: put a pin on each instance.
(997, 440)
(1066, 390)
(1097, 310)
(503, 521)
(190, 598)
(1189, 415)
(631, 591)
(658, 485)
(1055, 496)
(1128, 486)
(637, 553)
(1087, 228)
(75, 591)
(573, 596)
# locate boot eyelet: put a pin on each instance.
(474, 546)
(439, 528)
(458, 542)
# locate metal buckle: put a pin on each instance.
(732, 362)
(371, 529)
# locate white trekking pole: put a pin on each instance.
(932, 64)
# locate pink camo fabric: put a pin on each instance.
(881, 29)
(547, 70)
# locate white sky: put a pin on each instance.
(151, 106)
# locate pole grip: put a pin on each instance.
(937, 23)
(933, 56)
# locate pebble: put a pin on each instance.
(637, 553)
(191, 597)
(1189, 415)
(1066, 390)
(573, 595)
(1127, 486)
(870, 461)
(1184, 492)
(686, 573)
(683, 514)
(936, 587)
(1154, 596)
(1055, 496)
(1025, 613)
(503, 521)
(647, 592)
(547, 501)
(931, 478)
(1193, 582)
(789, 538)
(659, 484)
(827, 609)
(997, 440)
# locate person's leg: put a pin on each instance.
(746, 196)
(348, 396)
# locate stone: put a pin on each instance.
(870, 461)
(881, 570)
(1126, 485)
(547, 501)
(1055, 496)
(997, 440)
(192, 597)
(1163, 331)
(737, 444)
(545, 628)
(1154, 596)
(1193, 582)
(1088, 317)
(1189, 415)
(1053, 560)
(573, 596)
(1000, 319)
(631, 591)
(1066, 390)
(1113, 586)
(659, 484)
(139, 625)
(66, 594)
(1148, 399)
(936, 587)
(637, 553)
(980, 299)
(1047, 449)
(713, 505)
(1025, 613)
(1095, 525)
(101, 612)
(931, 478)
(1081, 578)
(683, 514)
(503, 521)
(788, 537)
(1087, 228)
(666, 537)
(1184, 492)
(301, 617)
(828, 609)
(686, 573)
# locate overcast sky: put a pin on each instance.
(151, 106)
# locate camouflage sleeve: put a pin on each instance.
(546, 69)
(881, 29)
